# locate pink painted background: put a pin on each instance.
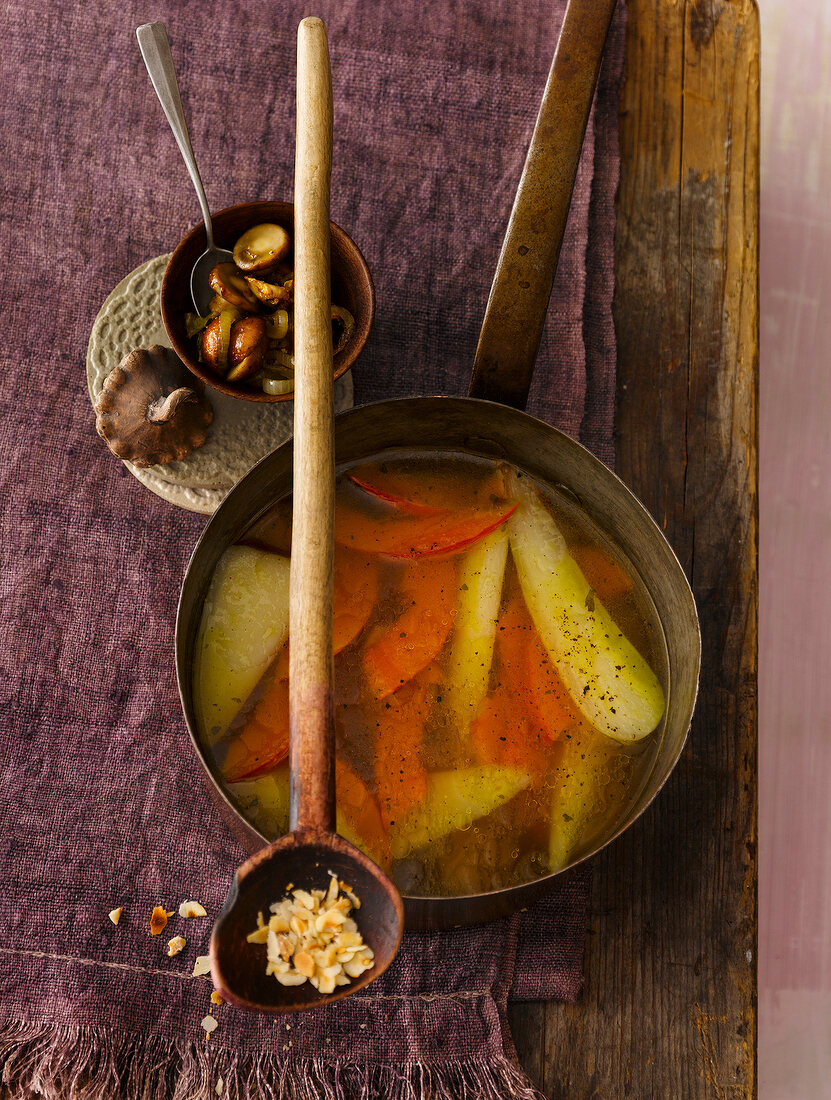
(795, 553)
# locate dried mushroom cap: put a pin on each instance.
(246, 348)
(261, 247)
(147, 413)
(271, 292)
(227, 282)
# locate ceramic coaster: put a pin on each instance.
(242, 432)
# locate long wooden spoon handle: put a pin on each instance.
(518, 302)
(310, 591)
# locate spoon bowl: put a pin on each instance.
(303, 858)
(200, 288)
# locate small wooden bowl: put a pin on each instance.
(352, 288)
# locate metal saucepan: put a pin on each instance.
(502, 373)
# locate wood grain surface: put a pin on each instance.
(669, 1004)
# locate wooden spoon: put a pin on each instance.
(312, 849)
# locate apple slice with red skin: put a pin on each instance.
(421, 536)
(390, 497)
(431, 492)
(263, 742)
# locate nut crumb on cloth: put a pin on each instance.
(202, 966)
(192, 909)
(158, 920)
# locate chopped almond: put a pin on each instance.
(158, 920)
(202, 966)
(304, 963)
(192, 909)
(175, 945)
(115, 914)
(311, 937)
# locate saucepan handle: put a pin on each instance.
(518, 302)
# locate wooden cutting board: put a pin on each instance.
(669, 1004)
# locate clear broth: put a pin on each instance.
(559, 814)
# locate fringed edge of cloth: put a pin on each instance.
(86, 1063)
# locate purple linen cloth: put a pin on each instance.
(103, 806)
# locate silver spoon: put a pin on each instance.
(155, 49)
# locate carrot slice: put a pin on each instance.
(513, 628)
(400, 777)
(548, 699)
(528, 709)
(263, 742)
(358, 809)
(409, 536)
(526, 666)
(503, 732)
(602, 572)
(355, 593)
(505, 729)
(404, 647)
(356, 590)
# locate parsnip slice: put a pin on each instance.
(587, 784)
(609, 681)
(455, 799)
(481, 574)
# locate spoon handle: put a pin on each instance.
(155, 49)
(310, 591)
